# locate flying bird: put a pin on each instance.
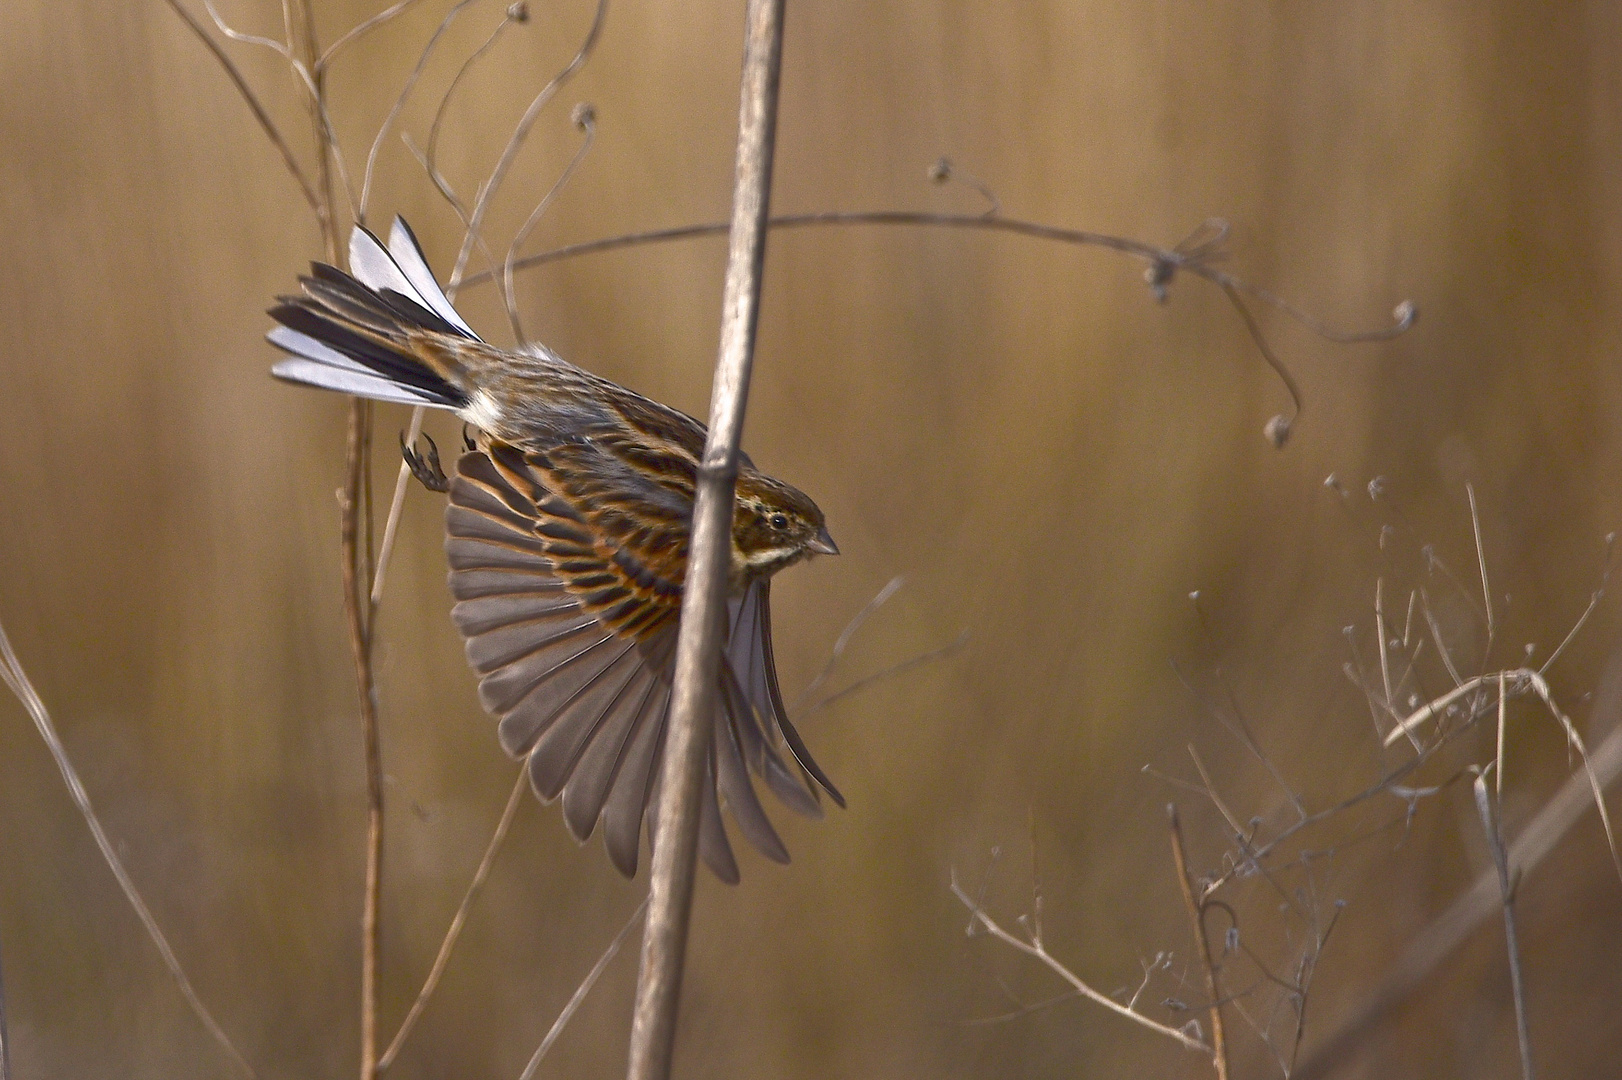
(567, 532)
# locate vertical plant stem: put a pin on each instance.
(356, 534)
(356, 606)
(1506, 892)
(1196, 915)
(698, 649)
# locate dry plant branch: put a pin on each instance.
(360, 30)
(703, 609)
(391, 524)
(400, 101)
(581, 991)
(17, 681)
(481, 204)
(1164, 263)
(950, 648)
(1520, 681)
(442, 959)
(1038, 950)
(1196, 917)
(516, 13)
(356, 607)
(842, 642)
(1481, 561)
(1432, 946)
(254, 106)
(1506, 892)
(585, 121)
(355, 541)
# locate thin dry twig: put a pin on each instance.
(356, 608)
(954, 646)
(1196, 915)
(1495, 840)
(1582, 620)
(1481, 561)
(391, 525)
(280, 48)
(1430, 948)
(842, 642)
(428, 159)
(978, 916)
(1021, 1010)
(1164, 263)
(442, 960)
(481, 205)
(1521, 680)
(581, 991)
(585, 121)
(355, 542)
(17, 681)
(400, 101)
(360, 30)
(254, 106)
(1198, 263)
(1383, 632)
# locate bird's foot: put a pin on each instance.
(425, 467)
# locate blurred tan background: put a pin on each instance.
(1052, 460)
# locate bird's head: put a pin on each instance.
(773, 526)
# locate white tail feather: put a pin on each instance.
(309, 373)
(409, 258)
(321, 366)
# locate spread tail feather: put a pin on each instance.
(388, 333)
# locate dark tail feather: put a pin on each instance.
(357, 335)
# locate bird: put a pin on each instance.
(567, 534)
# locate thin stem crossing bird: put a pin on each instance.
(567, 535)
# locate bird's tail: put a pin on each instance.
(384, 331)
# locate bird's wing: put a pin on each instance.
(569, 608)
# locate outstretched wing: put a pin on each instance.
(570, 609)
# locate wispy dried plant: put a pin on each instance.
(329, 188)
(1282, 853)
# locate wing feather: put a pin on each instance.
(569, 616)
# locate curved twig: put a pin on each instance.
(1196, 261)
(977, 916)
(360, 30)
(399, 102)
(428, 157)
(252, 101)
(1194, 255)
(585, 119)
(481, 205)
(581, 991)
(281, 48)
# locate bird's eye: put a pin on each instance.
(779, 521)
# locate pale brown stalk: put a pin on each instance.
(1196, 917)
(699, 641)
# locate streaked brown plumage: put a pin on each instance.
(567, 535)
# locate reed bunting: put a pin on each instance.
(567, 535)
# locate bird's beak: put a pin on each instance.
(823, 544)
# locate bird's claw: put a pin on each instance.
(425, 467)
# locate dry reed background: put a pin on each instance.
(1051, 459)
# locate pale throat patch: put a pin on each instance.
(768, 559)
